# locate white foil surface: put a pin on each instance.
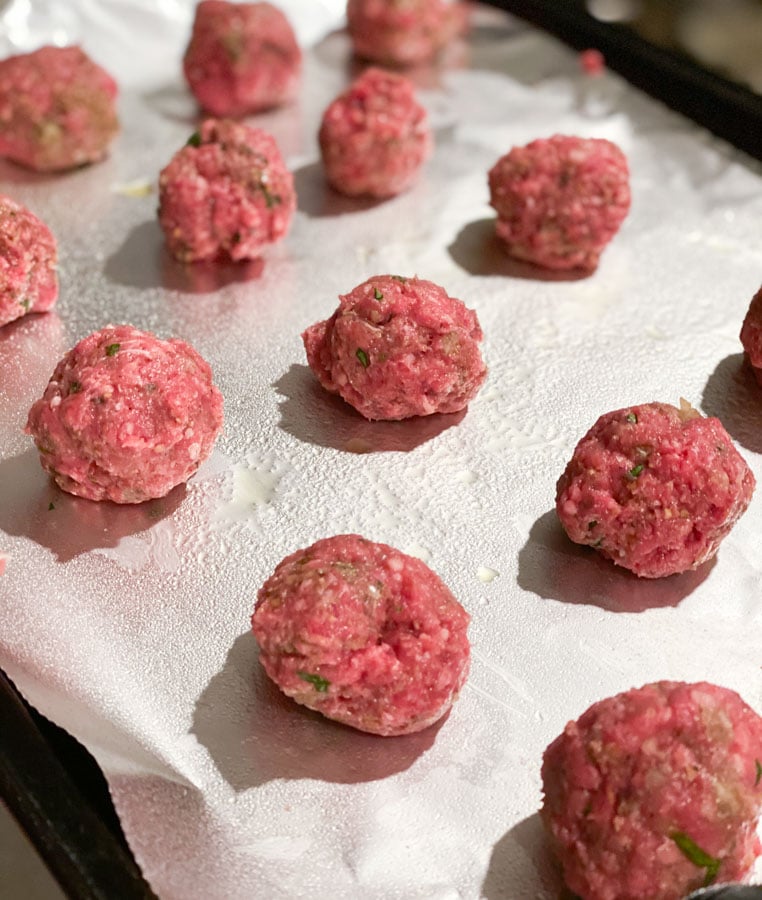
(130, 626)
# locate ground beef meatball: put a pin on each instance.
(363, 634)
(751, 335)
(126, 416)
(226, 193)
(57, 109)
(654, 488)
(28, 257)
(375, 136)
(560, 200)
(398, 347)
(655, 792)
(404, 32)
(242, 58)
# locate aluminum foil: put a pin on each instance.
(130, 626)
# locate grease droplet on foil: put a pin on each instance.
(419, 552)
(358, 445)
(251, 485)
(486, 575)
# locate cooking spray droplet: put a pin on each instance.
(486, 575)
(419, 552)
(466, 477)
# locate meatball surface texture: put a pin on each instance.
(28, 259)
(375, 136)
(655, 792)
(398, 347)
(560, 200)
(242, 58)
(226, 193)
(126, 416)
(57, 109)
(363, 634)
(654, 488)
(403, 34)
(751, 335)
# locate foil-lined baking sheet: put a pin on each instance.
(130, 626)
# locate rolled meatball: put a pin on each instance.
(751, 335)
(126, 416)
(242, 58)
(654, 488)
(57, 109)
(28, 259)
(363, 634)
(403, 34)
(226, 193)
(655, 792)
(398, 347)
(560, 200)
(375, 136)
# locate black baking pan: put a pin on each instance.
(59, 796)
(729, 110)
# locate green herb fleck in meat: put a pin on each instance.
(112, 349)
(25, 303)
(51, 505)
(632, 418)
(691, 851)
(759, 772)
(377, 295)
(591, 525)
(194, 140)
(363, 357)
(270, 199)
(400, 279)
(75, 387)
(635, 471)
(321, 685)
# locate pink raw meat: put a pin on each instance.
(126, 416)
(242, 58)
(28, 258)
(654, 488)
(375, 136)
(363, 634)
(57, 109)
(655, 792)
(403, 33)
(227, 192)
(560, 200)
(398, 347)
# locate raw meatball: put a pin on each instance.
(405, 33)
(655, 792)
(751, 335)
(226, 193)
(126, 416)
(375, 136)
(398, 347)
(363, 634)
(560, 200)
(654, 488)
(242, 58)
(56, 109)
(28, 257)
